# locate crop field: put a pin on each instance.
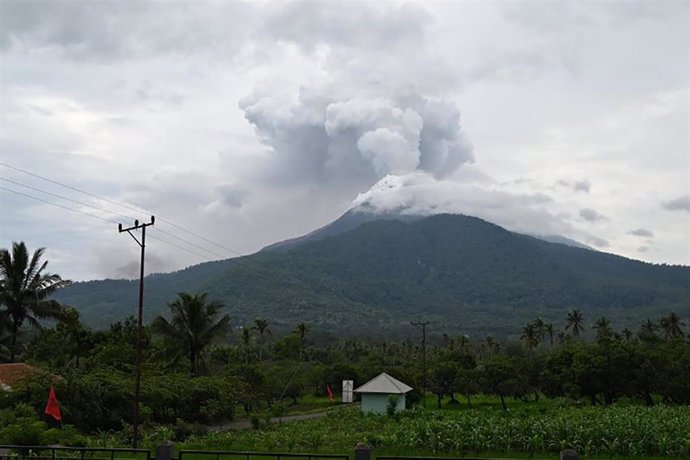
(613, 432)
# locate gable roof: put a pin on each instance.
(14, 372)
(384, 383)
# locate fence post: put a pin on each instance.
(569, 454)
(362, 451)
(164, 451)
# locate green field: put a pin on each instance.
(535, 431)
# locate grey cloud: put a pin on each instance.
(643, 249)
(598, 242)
(582, 186)
(124, 29)
(354, 24)
(578, 185)
(642, 232)
(232, 196)
(590, 215)
(679, 204)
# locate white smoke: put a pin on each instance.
(323, 137)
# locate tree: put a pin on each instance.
(195, 325)
(301, 330)
(25, 288)
(574, 322)
(246, 343)
(648, 331)
(550, 331)
(261, 326)
(672, 326)
(443, 380)
(603, 328)
(530, 336)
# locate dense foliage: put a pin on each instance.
(454, 270)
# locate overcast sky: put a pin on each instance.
(249, 123)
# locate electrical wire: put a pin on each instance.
(81, 203)
(123, 205)
(52, 203)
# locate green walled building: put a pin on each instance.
(377, 392)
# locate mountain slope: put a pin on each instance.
(461, 272)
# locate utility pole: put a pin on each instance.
(423, 325)
(137, 374)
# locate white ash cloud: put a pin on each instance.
(321, 137)
(419, 193)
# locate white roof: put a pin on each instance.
(384, 383)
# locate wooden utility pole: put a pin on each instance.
(140, 316)
(423, 325)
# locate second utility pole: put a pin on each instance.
(140, 316)
(423, 326)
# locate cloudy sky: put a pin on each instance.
(240, 124)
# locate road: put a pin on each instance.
(245, 423)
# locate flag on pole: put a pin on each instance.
(52, 408)
(330, 393)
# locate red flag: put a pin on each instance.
(330, 393)
(52, 407)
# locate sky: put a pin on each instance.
(239, 124)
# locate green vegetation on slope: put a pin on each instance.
(451, 269)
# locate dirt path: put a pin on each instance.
(245, 423)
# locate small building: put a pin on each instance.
(13, 373)
(377, 392)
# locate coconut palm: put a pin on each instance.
(530, 336)
(195, 325)
(603, 328)
(301, 330)
(550, 331)
(261, 326)
(24, 290)
(246, 342)
(540, 328)
(648, 331)
(672, 326)
(574, 322)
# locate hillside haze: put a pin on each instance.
(464, 274)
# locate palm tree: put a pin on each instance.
(603, 327)
(672, 326)
(301, 330)
(195, 325)
(648, 331)
(246, 341)
(24, 290)
(549, 330)
(261, 326)
(540, 328)
(574, 322)
(530, 337)
(627, 333)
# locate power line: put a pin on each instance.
(58, 205)
(110, 221)
(81, 203)
(123, 205)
